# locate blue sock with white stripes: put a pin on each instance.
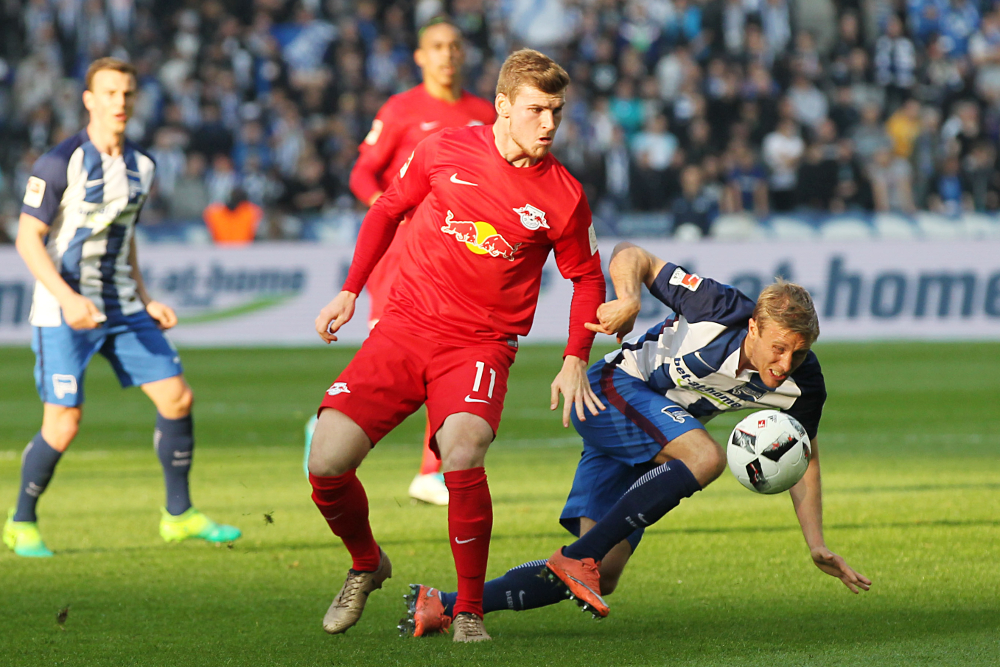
(174, 443)
(653, 495)
(521, 588)
(37, 465)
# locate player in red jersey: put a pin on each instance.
(406, 119)
(488, 203)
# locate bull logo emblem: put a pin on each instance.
(532, 218)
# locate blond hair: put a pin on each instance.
(113, 64)
(528, 67)
(790, 307)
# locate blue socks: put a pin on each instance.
(653, 495)
(174, 443)
(521, 588)
(37, 465)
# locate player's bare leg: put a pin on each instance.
(339, 446)
(428, 486)
(463, 440)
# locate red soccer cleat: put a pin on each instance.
(583, 581)
(424, 613)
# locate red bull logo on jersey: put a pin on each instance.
(532, 218)
(479, 237)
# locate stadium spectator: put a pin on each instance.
(746, 188)
(782, 152)
(891, 176)
(696, 207)
(235, 222)
(284, 80)
(190, 195)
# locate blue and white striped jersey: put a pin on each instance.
(692, 357)
(91, 202)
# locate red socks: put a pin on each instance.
(343, 503)
(430, 463)
(470, 522)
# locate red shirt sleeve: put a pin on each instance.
(375, 153)
(578, 260)
(406, 191)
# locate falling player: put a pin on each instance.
(76, 236)
(437, 103)
(489, 203)
(649, 450)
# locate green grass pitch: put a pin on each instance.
(910, 447)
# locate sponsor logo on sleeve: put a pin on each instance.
(373, 134)
(338, 388)
(34, 192)
(406, 165)
(593, 239)
(63, 385)
(429, 125)
(686, 280)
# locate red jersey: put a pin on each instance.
(403, 122)
(479, 235)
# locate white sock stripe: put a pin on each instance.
(659, 470)
(534, 563)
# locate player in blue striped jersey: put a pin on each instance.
(76, 235)
(720, 352)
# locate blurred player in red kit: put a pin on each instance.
(406, 119)
(488, 204)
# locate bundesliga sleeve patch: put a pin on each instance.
(593, 239)
(688, 280)
(373, 134)
(34, 192)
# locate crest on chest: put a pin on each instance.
(531, 217)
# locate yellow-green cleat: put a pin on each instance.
(195, 525)
(24, 539)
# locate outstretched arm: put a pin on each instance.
(630, 268)
(807, 498)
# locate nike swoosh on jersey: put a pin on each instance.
(425, 127)
(469, 399)
(455, 179)
(458, 541)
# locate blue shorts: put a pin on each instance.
(136, 348)
(620, 443)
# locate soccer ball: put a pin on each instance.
(768, 451)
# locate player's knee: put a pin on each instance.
(702, 455)
(184, 402)
(714, 463)
(336, 447)
(60, 430)
(175, 404)
(463, 456)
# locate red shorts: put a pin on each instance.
(395, 372)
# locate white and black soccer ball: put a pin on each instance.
(768, 451)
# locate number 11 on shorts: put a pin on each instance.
(480, 367)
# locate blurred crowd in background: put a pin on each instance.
(685, 108)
